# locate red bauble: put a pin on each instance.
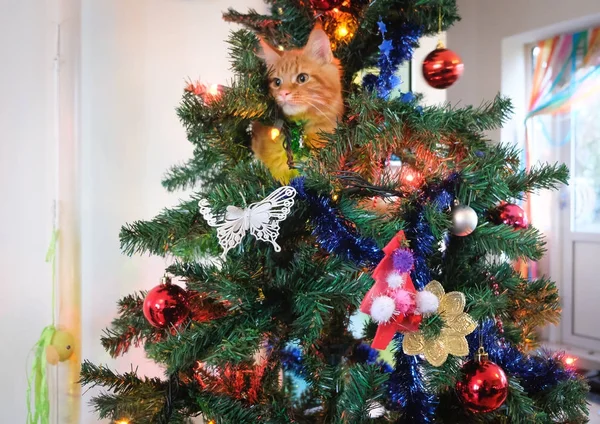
(442, 67)
(325, 4)
(483, 387)
(510, 214)
(166, 305)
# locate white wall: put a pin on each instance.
(27, 149)
(493, 33)
(136, 56)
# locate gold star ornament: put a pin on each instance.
(451, 340)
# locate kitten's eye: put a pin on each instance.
(276, 82)
(302, 78)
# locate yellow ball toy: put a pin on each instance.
(61, 347)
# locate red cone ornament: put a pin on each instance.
(166, 305)
(484, 386)
(511, 214)
(326, 4)
(442, 67)
(391, 301)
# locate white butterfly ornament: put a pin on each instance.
(261, 218)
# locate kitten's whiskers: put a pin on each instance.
(320, 101)
(321, 112)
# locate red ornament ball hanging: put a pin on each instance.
(166, 305)
(442, 67)
(484, 386)
(511, 214)
(326, 4)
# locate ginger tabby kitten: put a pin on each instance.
(306, 84)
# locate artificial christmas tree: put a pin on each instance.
(311, 224)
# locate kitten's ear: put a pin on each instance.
(267, 53)
(318, 45)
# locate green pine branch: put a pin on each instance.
(363, 391)
(566, 402)
(443, 378)
(251, 19)
(99, 375)
(181, 232)
(200, 340)
(539, 177)
(128, 406)
(198, 169)
(129, 328)
(224, 410)
(514, 243)
(519, 408)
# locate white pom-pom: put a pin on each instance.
(427, 302)
(395, 280)
(382, 309)
(376, 410)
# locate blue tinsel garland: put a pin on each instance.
(406, 387)
(407, 391)
(333, 232)
(396, 47)
(419, 231)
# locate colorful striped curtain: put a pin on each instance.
(566, 71)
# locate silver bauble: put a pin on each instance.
(464, 220)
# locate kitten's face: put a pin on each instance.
(304, 81)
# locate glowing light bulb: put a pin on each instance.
(342, 30)
(280, 48)
(275, 133)
(570, 360)
(213, 90)
(411, 178)
(335, 197)
(212, 422)
(122, 422)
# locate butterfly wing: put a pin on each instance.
(264, 216)
(207, 214)
(230, 229)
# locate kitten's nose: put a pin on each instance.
(284, 95)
